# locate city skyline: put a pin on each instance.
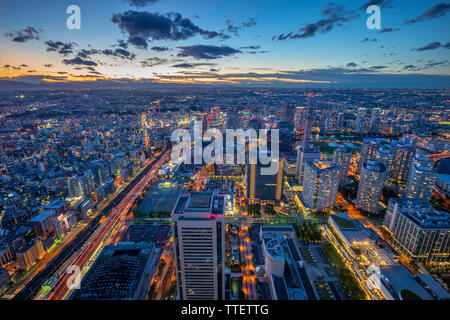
(297, 44)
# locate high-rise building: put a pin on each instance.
(421, 179)
(306, 153)
(82, 185)
(288, 112)
(100, 170)
(419, 231)
(342, 157)
(320, 185)
(299, 118)
(385, 156)
(371, 182)
(199, 242)
(369, 151)
(403, 156)
(375, 120)
(264, 188)
(28, 255)
(360, 120)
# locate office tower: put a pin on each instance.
(369, 151)
(340, 122)
(100, 170)
(28, 255)
(199, 242)
(307, 131)
(375, 120)
(299, 117)
(256, 124)
(82, 185)
(403, 156)
(421, 179)
(360, 120)
(204, 121)
(288, 112)
(320, 185)
(305, 153)
(262, 188)
(342, 157)
(419, 231)
(121, 272)
(328, 122)
(370, 186)
(233, 119)
(286, 132)
(385, 156)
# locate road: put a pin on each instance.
(163, 278)
(109, 227)
(41, 264)
(248, 269)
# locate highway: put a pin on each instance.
(248, 268)
(87, 234)
(109, 227)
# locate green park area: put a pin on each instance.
(345, 275)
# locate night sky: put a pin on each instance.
(257, 42)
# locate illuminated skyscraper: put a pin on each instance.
(320, 184)
(369, 151)
(421, 179)
(199, 242)
(371, 183)
(342, 157)
(262, 188)
(385, 156)
(401, 164)
(305, 153)
(360, 121)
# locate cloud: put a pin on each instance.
(380, 3)
(207, 51)
(122, 43)
(140, 3)
(29, 33)
(79, 61)
(152, 62)
(60, 47)
(386, 30)
(409, 67)
(351, 65)
(251, 47)
(235, 29)
(334, 15)
(430, 64)
(432, 46)
(367, 40)
(159, 49)
(436, 11)
(143, 26)
(119, 53)
(192, 65)
(8, 66)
